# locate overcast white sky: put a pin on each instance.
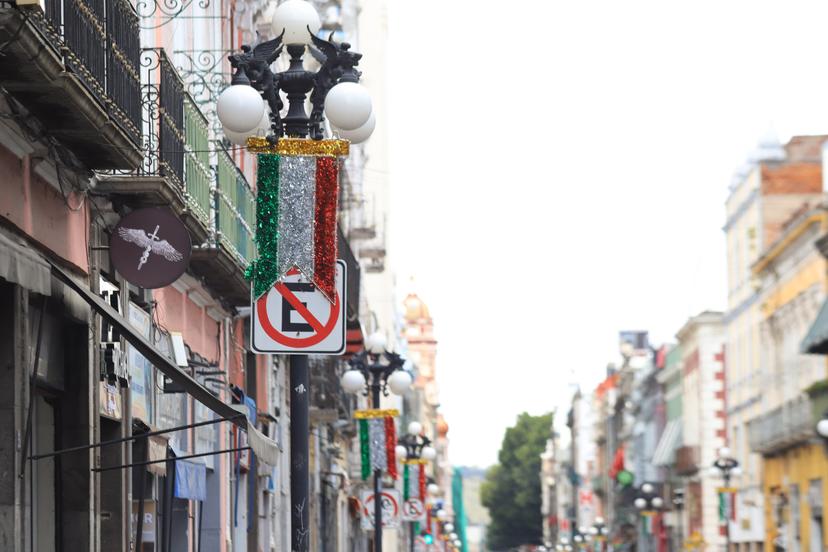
(559, 171)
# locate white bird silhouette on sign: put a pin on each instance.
(150, 243)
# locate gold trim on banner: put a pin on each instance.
(367, 414)
(415, 461)
(299, 146)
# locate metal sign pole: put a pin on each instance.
(299, 432)
(375, 400)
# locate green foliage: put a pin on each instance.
(817, 388)
(512, 490)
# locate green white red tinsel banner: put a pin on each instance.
(377, 441)
(414, 478)
(296, 203)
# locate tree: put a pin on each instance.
(512, 490)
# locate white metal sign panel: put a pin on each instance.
(296, 318)
(390, 508)
(413, 510)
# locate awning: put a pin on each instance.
(262, 446)
(23, 266)
(666, 448)
(816, 340)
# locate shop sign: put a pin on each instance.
(148, 527)
(150, 247)
(140, 369)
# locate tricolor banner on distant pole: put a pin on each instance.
(296, 204)
(377, 441)
(414, 478)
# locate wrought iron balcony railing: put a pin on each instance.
(783, 427)
(75, 64)
(178, 139)
(235, 210)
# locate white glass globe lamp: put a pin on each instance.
(240, 138)
(433, 489)
(353, 381)
(640, 503)
(724, 452)
(294, 17)
(822, 427)
(647, 488)
(240, 108)
(415, 428)
(401, 452)
(348, 106)
(658, 502)
(442, 514)
(361, 134)
(375, 343)
(449, 527)
(428, 453)
(399, 382)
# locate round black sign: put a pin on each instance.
(150, 247)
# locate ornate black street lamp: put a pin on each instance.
(648, 502)
(728, 467)
(599, 531)
(678, 506)
(383, 369)
(333, 88)
(415, 446)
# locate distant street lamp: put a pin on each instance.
(599, 531)
(727, 467)
(648, 502)
(384, 370)
(415, 446)
(678, 505)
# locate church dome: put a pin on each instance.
(442, 426)
(415, 309)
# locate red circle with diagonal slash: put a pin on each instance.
(323, 331)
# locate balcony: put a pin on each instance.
(223, 264)
(687, 460)
(783, 427)
(176, 168)
(328, 401)
(214, 201)
(74, 66)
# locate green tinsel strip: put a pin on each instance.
(405, 481)
(264, 271)
(365, 448)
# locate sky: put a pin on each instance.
(559, 171)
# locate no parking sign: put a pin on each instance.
(294, 317)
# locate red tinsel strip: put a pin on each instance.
(390, 446)
(324, 234)
(422, 481)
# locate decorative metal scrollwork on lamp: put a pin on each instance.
(334, 89)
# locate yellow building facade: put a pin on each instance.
(762, 200)
(791, 281)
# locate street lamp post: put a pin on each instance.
(599, 531)
(678, 505)
(415, 446)
(728, 467)
(242, 109)
(648, 502)
(376, 370)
